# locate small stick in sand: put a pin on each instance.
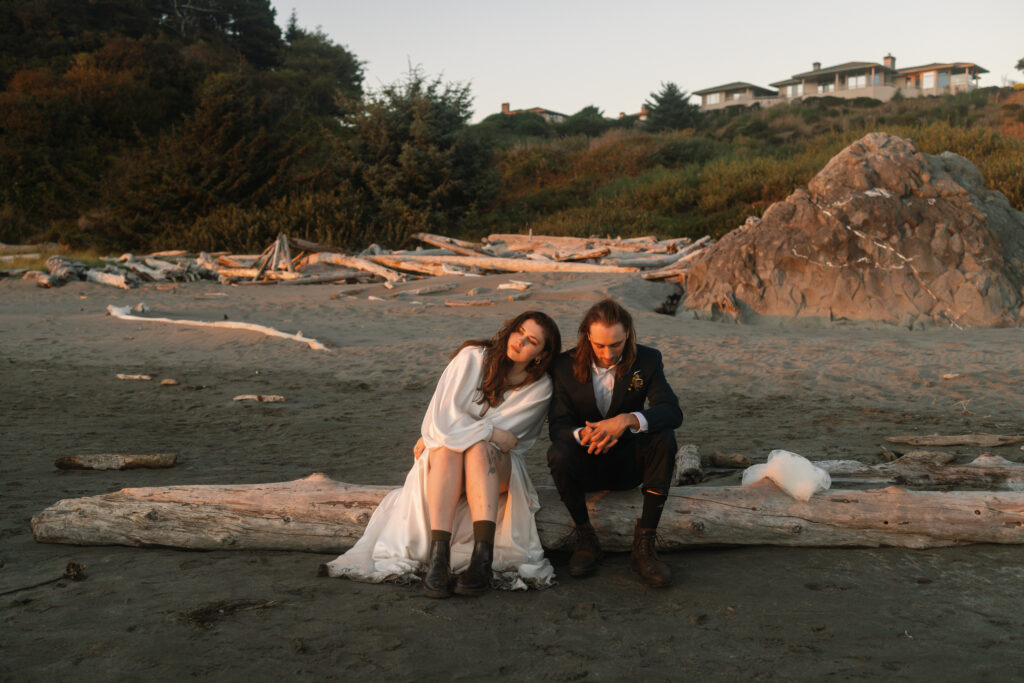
(115, 461)
(144, 378)
(261, 398)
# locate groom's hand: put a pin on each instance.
(600, 436)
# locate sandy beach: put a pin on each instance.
(823, 390)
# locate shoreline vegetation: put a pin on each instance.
(137, 131)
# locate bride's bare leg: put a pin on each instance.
(487, 475)
(444, 487)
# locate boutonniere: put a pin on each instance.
(636, 382)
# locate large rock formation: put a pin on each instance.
(883, 233)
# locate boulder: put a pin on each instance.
(882, 233)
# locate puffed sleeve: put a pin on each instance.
(453, 417)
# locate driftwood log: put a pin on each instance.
(506, 265)
(986, 472)
(981, 440)
(115, 461)
(687, 470)
(321, 515)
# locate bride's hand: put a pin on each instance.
(504, 439)
(418, 449)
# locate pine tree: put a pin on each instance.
(671, 109)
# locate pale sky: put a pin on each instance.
(566, 54)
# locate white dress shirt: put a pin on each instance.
(603, 380)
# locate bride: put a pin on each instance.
(468, 504)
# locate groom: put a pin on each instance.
(603, 437)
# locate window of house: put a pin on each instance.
(958, 79)
(858, 81)
(826, 87)
(876, 79)
(737, 96)
(943, 79)
(793, 90)
(714, 98)
(928, 80)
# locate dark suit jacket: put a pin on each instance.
(573, 403)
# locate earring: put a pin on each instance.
(536, 361)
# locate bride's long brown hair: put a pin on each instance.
(497, 363)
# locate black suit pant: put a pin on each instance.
(645, 458)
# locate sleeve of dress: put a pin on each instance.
(453, 416)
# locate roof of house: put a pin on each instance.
(844, 67)
(538, 110)
(736, 85)
(945, 65)
(788, 81)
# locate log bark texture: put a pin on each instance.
(322, 515)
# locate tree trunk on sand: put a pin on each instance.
(322, 515)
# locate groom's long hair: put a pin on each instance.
(608, 313)
(497, 363)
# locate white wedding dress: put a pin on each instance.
(396, 542)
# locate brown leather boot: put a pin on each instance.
(477, 577)
(438, 581)
(587, 554)
(652, 571)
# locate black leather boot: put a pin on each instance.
(438, 581)
(652, 571)
(477, 578)
(587, 553)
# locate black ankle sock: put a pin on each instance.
(578, 511)
(484, 531)
(438, 535)
(653, 505)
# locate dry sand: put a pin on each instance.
(821, 390)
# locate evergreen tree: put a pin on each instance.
(419, 164)
(588, 121)
(670, 109)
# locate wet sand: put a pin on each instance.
(824, 390)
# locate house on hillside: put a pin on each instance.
(639, 116)
(737, 94)
(850, 80)
(940, 79)
(546, 114)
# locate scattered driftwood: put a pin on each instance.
(980, 440)
(735, 461)
(926, 470)
(115, 461)
(512, 265)
(318, 514)
(292, 260)
(136, 378)
(468, 302)
(453, 245)
(124, 313)
(357, 263)
(429, 289)
(687, 469)
(260, 398)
